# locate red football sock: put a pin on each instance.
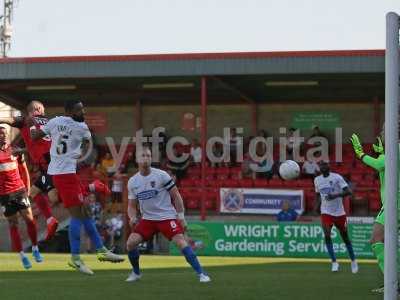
(42, 202)
(32, 231)
(16, 243)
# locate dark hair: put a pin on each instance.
(69, 104)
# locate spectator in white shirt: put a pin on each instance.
(195, 152)
(310, 169)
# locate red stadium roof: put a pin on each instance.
(192, 56)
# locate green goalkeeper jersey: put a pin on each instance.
(379, 165)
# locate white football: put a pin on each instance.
(289, 170)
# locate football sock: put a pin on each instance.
(329, 247)
(32, 231)
(42, 203)
(350, 250)
(191, 258)
(92, 232)
(16, 243)
(74, 233)
(379, 251)
(133, 256)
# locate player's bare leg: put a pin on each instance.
(133, 254)
(345, 237)
(16, 240)
(44, 207)
(190, 256)
(32, 232)
(329, 246)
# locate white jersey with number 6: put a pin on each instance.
(152, 193)
(66, 141)
(333, 184)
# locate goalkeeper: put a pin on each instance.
(378, 232)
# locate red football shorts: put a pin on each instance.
(169, 228)
(340, 222)
(69, 189)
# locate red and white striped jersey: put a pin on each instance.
(10, 178)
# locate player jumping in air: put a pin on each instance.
(39, 154)
(67, 134)
(14, 198)
(153, 190)
(330, 188)
(378, 231)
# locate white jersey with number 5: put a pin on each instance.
(66, 141)
(152, 193)
(333, 184)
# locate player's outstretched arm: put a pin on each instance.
(179, 206)
(375, 163)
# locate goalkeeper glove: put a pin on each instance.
(358, 149)
(378, 147)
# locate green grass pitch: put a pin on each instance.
(169, 277)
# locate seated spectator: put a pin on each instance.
(316, 132)
(264, 168)
(128, 165)
(195, 152)
(96, 212)
(218, 152)
(310, 169)
(114, 227)
(178, 168)
(262, 133)
(107, 164)
(293, 146)
(287, 214)
(234, 143)
(117, 189)
(247, 169)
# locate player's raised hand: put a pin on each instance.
(358, 149)
(378, 146)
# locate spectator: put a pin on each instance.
(96, 212)
(107, 164)
(262, 133)
(178, 168)
(247, 167)
(218, 152)
(195, 152)
(287, 214)
(310, 169)
(264, 168)
(116, 192)
(128, 166)
(316, 132)
(114, 227)
(293, 145)
(234, 145)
